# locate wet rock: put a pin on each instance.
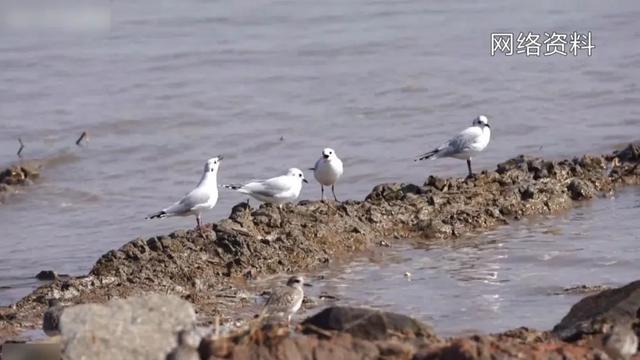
(20, 174)
(436, 182)
(517, 163)
(581, 290)
(580, 189)
(47, 275)
(631, 153)
(388, 192)
(143, 327)
(595, 313)
(527, 193)
(434, 228)
(370, 324)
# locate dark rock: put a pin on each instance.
(527, 193)
(20, 174)
(436, 182)
(154, 244)
(47, 275)
(388, 192)
(581, 290)
(593, 313)
(517, 163)
(580, 189)
(631, 153)
(411, 189)
(370, 324)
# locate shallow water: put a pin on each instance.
(501, 280)
(271, 83)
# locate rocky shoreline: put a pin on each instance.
(268, 240)
(152, 326)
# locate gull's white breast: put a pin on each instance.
(327, 172)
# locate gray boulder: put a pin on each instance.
(144, 327)
(593, 314)
(370, 324)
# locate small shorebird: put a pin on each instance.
(620, 341)
(468, 143)
(51, 318)
(203, 197)
(327, 171)
(277, 190)
(286, 300)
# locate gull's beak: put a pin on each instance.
(305, 180)
(220, 157)
(325, 156)
(487, 125)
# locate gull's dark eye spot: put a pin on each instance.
(300, 175)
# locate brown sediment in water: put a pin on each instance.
(299, 237)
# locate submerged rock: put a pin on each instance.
(143, 327)
(16, 175)
(21, 173)
(46, 275)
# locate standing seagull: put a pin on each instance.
(277, 190)
(327, 171)
(465, 145)
(203, 197)
(285, 301)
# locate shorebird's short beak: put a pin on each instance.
(305, 180)
(220, 157)
(325, 156)
(487, 125)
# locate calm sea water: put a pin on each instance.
(167, 84)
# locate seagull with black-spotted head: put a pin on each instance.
(202, 198)
(277, 190)
(467, 144)
(327, 171)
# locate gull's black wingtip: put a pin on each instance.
(157, 215)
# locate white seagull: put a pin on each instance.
(203, 197)
(327, 171)
(277, 190)
(465, 145)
